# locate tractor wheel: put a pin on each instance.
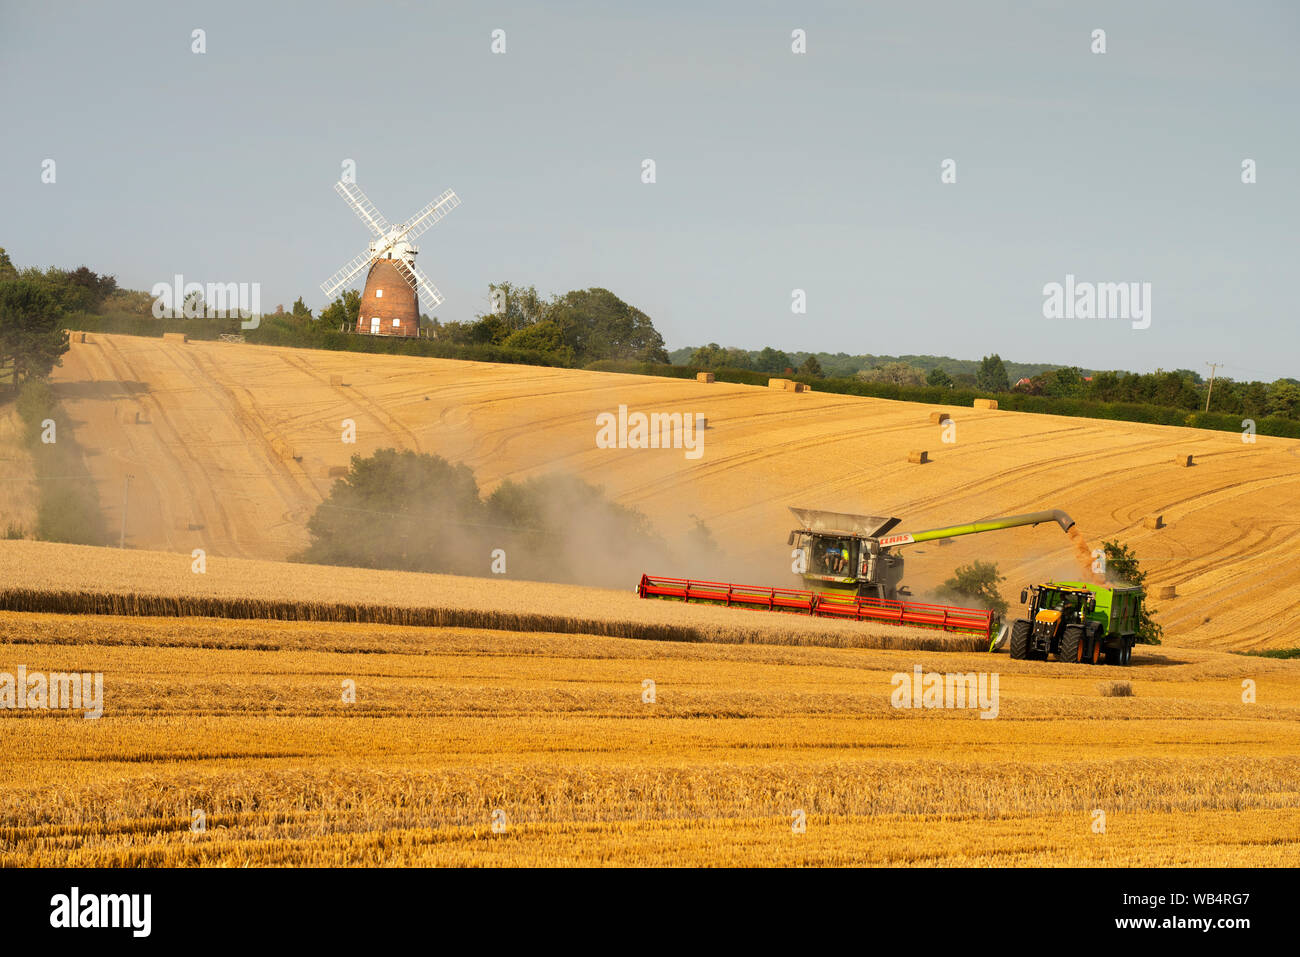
(1096, 649)
(1070, 647)
(1020, 639)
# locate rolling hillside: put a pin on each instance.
(230, 449)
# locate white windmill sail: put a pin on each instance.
(391, 242)
(362, 206)
(426, 290)
(419, 224)
(345, 275)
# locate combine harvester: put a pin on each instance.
(855, 573)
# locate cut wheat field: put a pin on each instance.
(551, 737)
(231, 446)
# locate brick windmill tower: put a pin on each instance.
(390, 301)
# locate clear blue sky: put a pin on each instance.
(775, 171)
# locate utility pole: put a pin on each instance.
(126, 484)
(1213, 368)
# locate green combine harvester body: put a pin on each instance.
(1078, 621)
(860, 553)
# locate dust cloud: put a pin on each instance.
(1083, 556)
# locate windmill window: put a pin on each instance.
(379, 294)
(397, 322)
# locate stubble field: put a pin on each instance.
(550, 736)
(504, 722)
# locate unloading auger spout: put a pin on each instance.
(983, 525)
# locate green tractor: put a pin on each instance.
(1077, 621)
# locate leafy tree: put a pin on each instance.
(811, 367)
(1254, 399)
(1066, 382)
(514, 307)
(544, 336)
(300, 310)
(1105, 387)
(84, 290)
(1170, 388)
(1284, 399)
(455, 333)
(977, 583)
(7, 270)
(894, 373)
(401, 509)
(939, 377)
(490, 330)
(992, 375)
(342, 311)
(733, 358)
(596, 324)
(133, 302)
(772, 361)
(1122, 567)
(711, 356)
(32, 341)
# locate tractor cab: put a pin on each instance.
(1053, 607)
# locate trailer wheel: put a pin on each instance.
(1128, 653)
(1071, 645)
(1020, 639)
(1115, 656)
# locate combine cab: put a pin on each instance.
(1077, 621)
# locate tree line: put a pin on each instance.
(901, 370)
(1177, 389)
(569, 329)
(585, 326)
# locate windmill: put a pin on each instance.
(390, 301)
